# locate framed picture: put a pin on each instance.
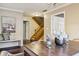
(8, 24)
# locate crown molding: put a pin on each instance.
(14, 10)
(64, 5)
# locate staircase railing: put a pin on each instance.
(37, 35)
(39, 32)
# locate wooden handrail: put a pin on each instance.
(39, 32)
(39, 20)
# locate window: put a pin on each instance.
(58, 23)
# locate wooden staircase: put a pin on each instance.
(40, 30)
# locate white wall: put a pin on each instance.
(71, 21)
(19, 23)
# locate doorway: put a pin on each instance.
(58, 23)
(26, 29)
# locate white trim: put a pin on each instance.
(51, 24)
(53, 16)
(58, 7)
(58, 13)
(3, 8)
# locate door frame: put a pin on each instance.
(52, 20)
(26, 29)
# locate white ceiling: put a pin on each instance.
(28, 8)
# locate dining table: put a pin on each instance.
(39, 48)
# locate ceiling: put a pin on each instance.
(30, 8)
